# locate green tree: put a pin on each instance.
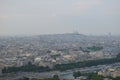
(76, 74)
(56, 77)
(117, 78)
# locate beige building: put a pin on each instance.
(110, 72)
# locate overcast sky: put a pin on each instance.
(34, 17)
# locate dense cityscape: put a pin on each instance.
(61, 55)
(59, 39)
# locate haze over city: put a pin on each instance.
(34, 17)
(59, 39)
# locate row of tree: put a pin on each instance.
(27, 68)
(89, 63)
(61, 67)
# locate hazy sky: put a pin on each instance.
(20, 17)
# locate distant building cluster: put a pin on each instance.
(48, 50)
(114, 72)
